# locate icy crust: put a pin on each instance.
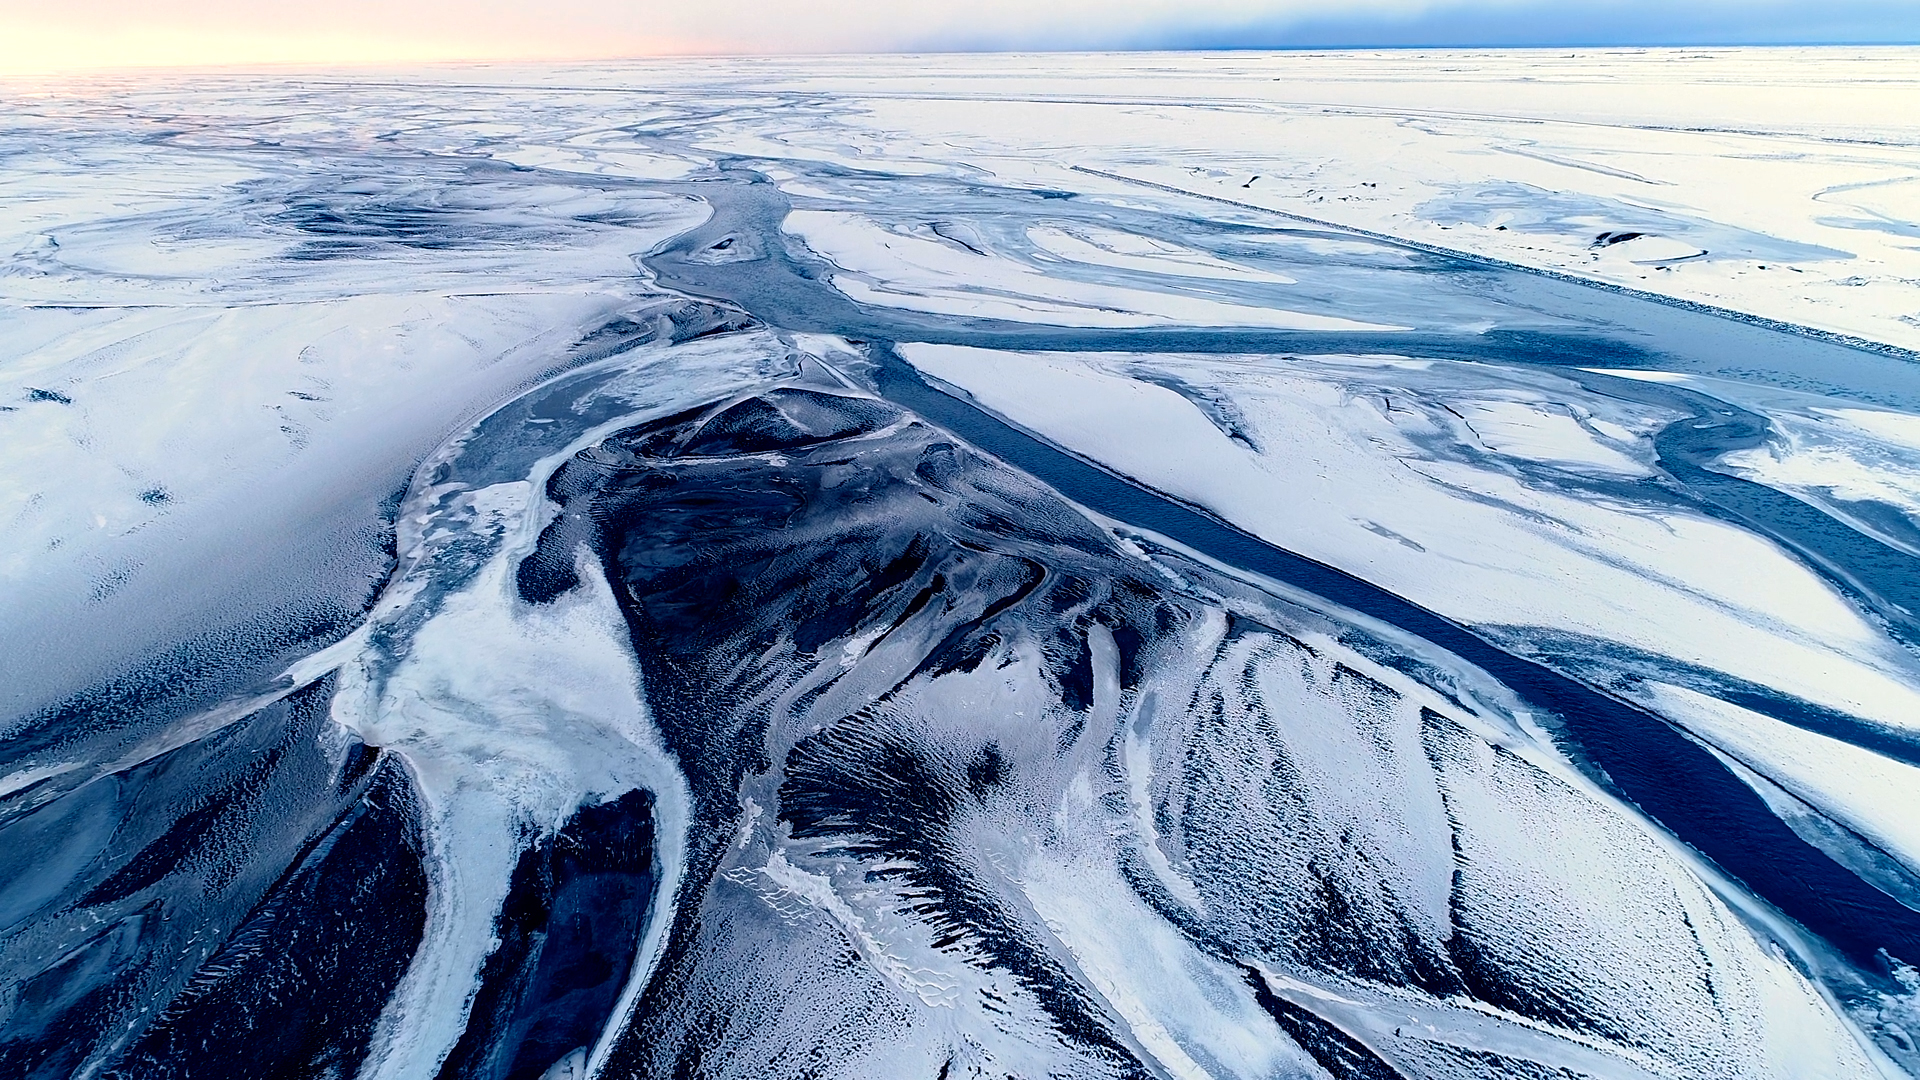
(1863, 792)
(1861, 465)
(414, 849)
(521, 723)
(1702, 175)
(781, 734)
(1516, 933)
(228, 337)
(975, 790)
(928, 269)
(1380, 467)
(1524, 502)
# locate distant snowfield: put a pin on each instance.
(211, 361)
(1778, 183)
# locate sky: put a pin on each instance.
(36, 35)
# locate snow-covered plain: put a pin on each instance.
(1779, 183)
(594, 571)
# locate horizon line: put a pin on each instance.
(1037, 50)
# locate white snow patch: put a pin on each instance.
(895, 268)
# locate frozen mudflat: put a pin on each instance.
(1326, 565)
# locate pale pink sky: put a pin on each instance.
(51, 35)
(86, 32)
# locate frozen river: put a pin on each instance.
(1089, 566)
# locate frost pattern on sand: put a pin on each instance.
(958, 704)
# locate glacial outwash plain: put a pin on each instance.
(1362, 565)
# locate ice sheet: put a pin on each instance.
(213, 361)
(1058, 799)
(1343, 469)
(931, 273)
